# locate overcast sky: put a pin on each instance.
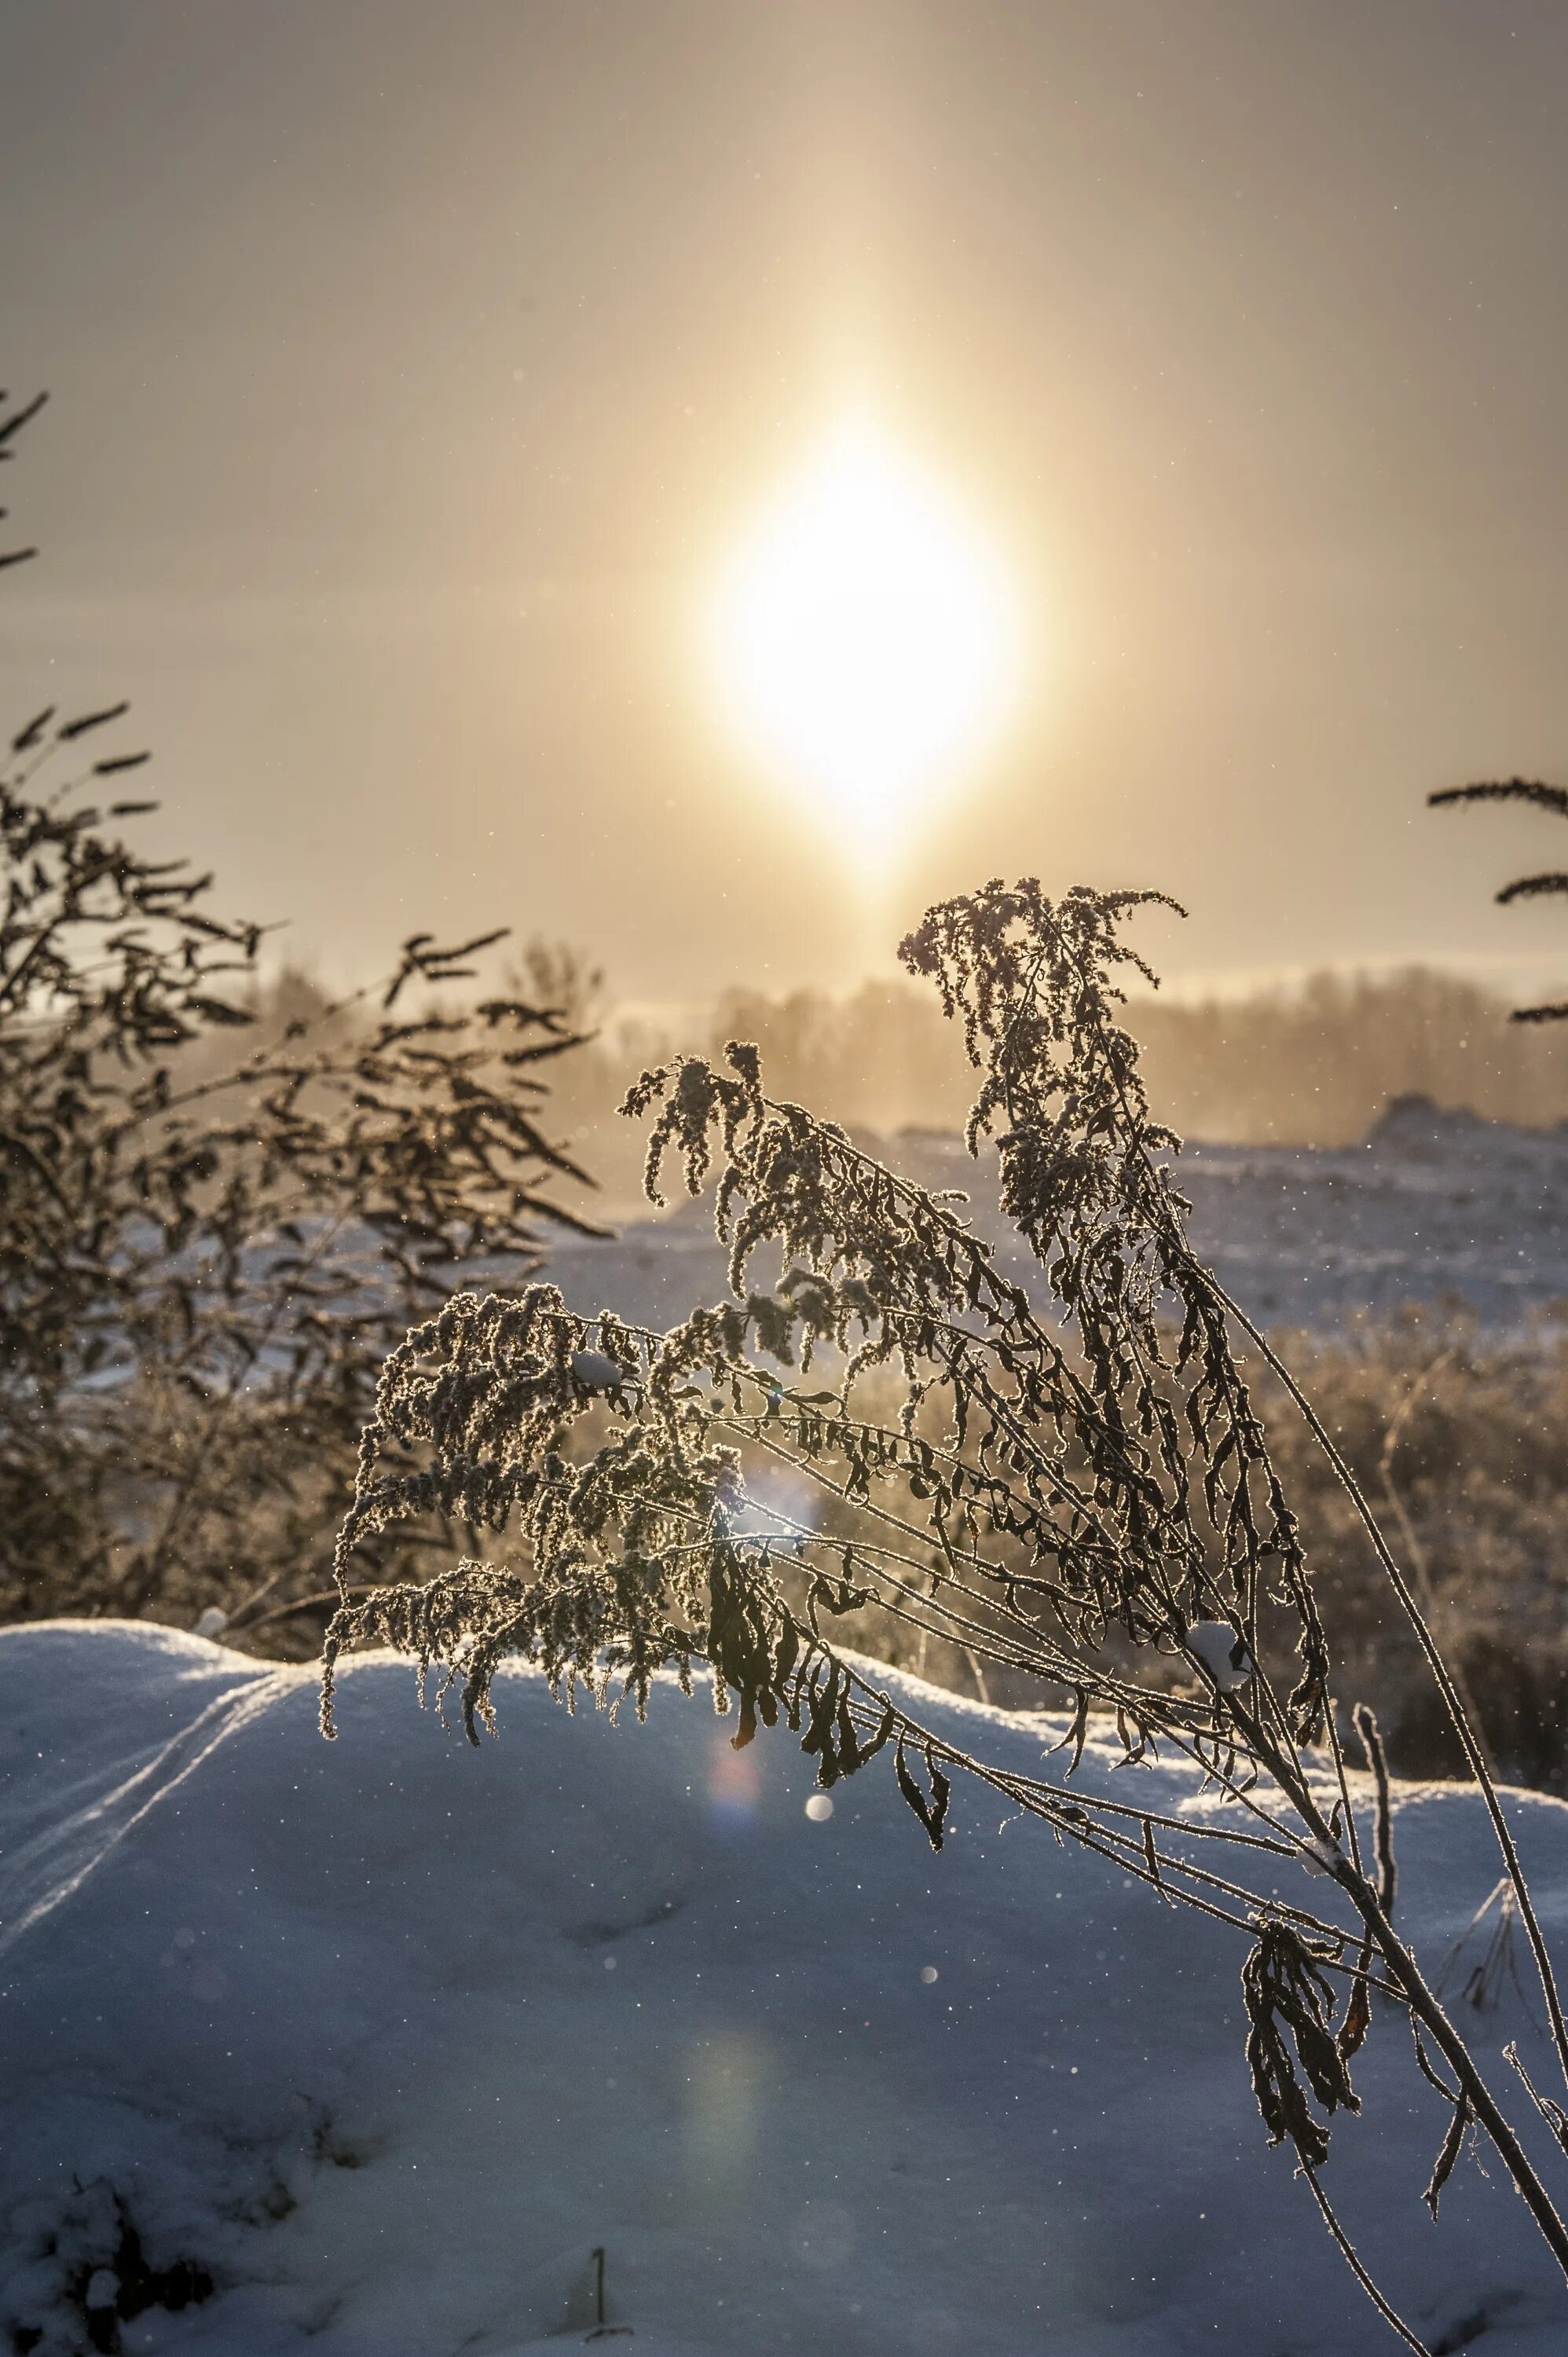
(412, 367)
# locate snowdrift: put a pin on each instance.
(386, 2048)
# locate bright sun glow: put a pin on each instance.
(864, 643)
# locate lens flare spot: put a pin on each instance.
(732, 1788)
(726, 2079)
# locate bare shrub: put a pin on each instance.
(206, 1247)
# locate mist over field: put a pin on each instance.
(1312, 1064)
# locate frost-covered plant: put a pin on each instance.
(1078, 1488)
(206, 1247)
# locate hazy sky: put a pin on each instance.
(413, 365)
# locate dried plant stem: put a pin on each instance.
(1353, 2260)
(1376, 1760)
(1441, 1676)
(1427, 2009)
(186, 1499)
(1417, 1552)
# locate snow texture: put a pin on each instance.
(383, 2041)
(1433, 1207)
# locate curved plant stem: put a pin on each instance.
(1354, 2261)
(1427, 2009)
(1414, 1548)
(1435, 1661)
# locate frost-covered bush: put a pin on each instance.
(206, 1252)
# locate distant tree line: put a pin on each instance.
(1310, 1065)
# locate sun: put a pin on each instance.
(864, 643)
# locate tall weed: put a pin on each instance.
(1088, 1498)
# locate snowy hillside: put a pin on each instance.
(1431, 1206)
(368, 2049)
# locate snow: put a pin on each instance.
(1433, 1206)
(387, 2039)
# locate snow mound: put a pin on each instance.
(1418, 1125)
(387, 2049)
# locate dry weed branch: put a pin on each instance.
(1079, 1488)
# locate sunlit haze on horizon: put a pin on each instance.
(416, 375)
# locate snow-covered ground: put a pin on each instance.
(384, 2041)
(1433, 1207)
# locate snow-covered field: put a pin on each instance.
(1433, 1207)
(385, 2040)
